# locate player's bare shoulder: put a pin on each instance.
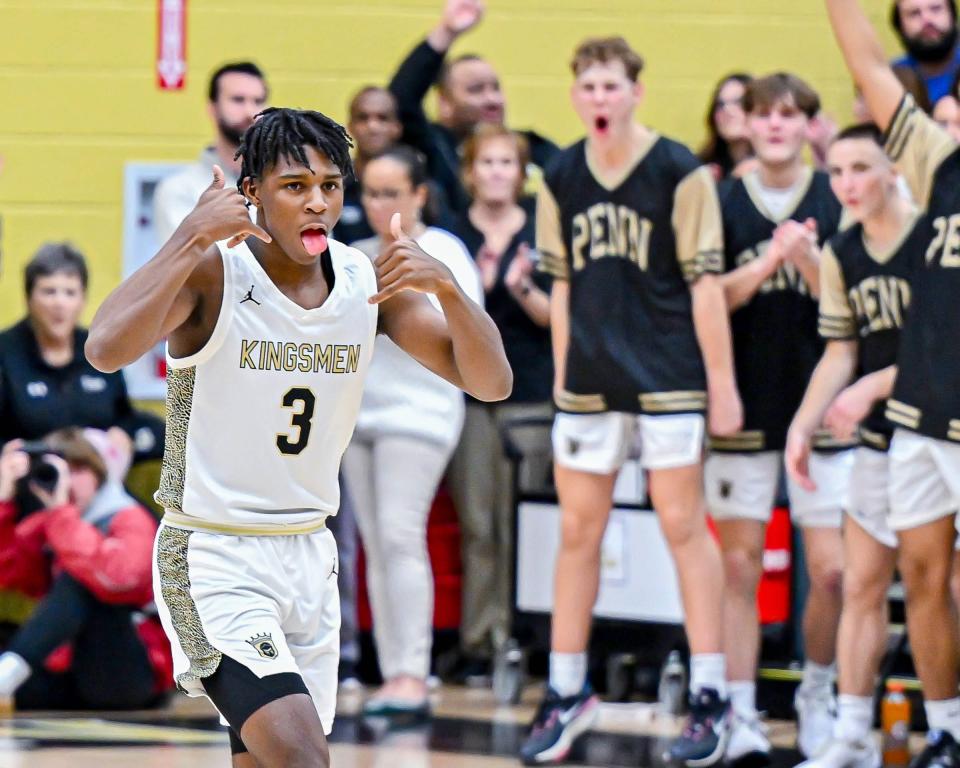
(201, 297)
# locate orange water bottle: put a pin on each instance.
(895, 721)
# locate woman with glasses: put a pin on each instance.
(409, 423)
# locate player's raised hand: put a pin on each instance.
(221, 214)
(405, 266)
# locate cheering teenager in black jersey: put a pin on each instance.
(924, 452)
(865, 275)
(628, 223)
(774, 220)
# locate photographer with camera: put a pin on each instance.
(87, 556)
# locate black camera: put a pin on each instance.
(42, 473)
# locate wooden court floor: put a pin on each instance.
(468, 730)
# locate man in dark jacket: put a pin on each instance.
(468, 91)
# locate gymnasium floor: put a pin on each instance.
(467, 731)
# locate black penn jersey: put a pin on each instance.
(926, 396)
(630, 248)
(775, 340)
(864, 296)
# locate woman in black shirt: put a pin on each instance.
(500, 235)
(46, 382)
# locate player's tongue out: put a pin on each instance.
(314, 241)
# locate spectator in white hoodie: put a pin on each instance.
(409, 424)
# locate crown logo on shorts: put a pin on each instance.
(264, 645)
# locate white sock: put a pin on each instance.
(944, 715)
(818, 677)
(14, 672)
(568, 673)
(743, 698)
(708, 670)
(854, 717)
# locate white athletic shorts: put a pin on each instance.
(601, 442)
(869, 499)
(268, 602)
(743, 486)
(924, 479)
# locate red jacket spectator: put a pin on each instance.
(91, 531)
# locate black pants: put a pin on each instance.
(110, 667)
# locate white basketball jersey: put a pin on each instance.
(258, 420)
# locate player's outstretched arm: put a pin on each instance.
(160, 296)
(834, 371)
(865, 59)
(461, 344)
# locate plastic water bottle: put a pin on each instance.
(895, 720)
(672, 691)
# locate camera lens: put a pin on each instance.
(44, 474)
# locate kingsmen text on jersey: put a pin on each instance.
(864, 297)
(775, 342)
(926, 397)
(628, 250)
(258, 419)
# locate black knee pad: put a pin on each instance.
(237, 747)
(238, 693)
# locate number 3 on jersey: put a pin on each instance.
(303, 420)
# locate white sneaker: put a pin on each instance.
(838, 753)
(748, 741)
(816, 713)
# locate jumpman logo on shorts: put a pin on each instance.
(249, 297)
(333, 570)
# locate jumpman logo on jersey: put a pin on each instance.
(249, 297)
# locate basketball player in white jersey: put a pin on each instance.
(268, 342)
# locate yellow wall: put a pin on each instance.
(78, 98)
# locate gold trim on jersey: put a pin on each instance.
(549, 235)
(836, 327)
(874, 439)
(570, 401)
(883, 255)
(706, 262)
(673, 402)
(553, 265)
(824, 439)
(953, 430)
(190, 523)
(616, 180)
(899, 131)
(180, 384)
(173, 568)
(710, 261)
(904, 414)
(749, 440)
(751, 183)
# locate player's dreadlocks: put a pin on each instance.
(278, 132)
